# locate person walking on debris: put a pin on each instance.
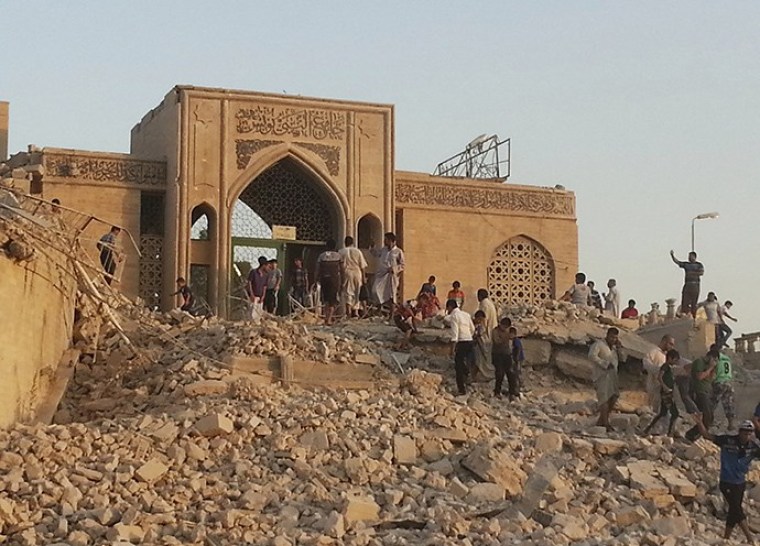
(724, 332)
(299, 282)
(666, 379)
(723, 390)
(606, 354)
(354, 265)
(481, 368)
(188, 300)
(108, 253)
(390, 266)
(595, 296)
(579, 293)
(737, 451)
(702, 377)
(329, 275)
(693, 271)
(712, 312)
(682, 376)
(514, 370)
(612, 299)
(274, 281)
(456, 294)
(630, 312)
(653, 362)
(485, 304)
(257, 285)
(501, 353)
(462, 332)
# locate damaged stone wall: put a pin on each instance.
(38, 293)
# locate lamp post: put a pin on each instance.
(703, 216)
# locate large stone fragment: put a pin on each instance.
(486, 492)
(404, 449)
(608, 446)
(538, 352)
(631, 515)
(493, 465)
(361, 508)
(674, 526)
(574, 363)
(677, 483)
(214, 424)
(549, 442)
(151, 471)
(208, 386)
(421, 382)
(643, 476)
(544, 472)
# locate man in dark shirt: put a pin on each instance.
(693, 271)
(108, 253)
(736, 453)
(667, 382)
(702, 377)
(187, 295)
(299, 281)
(501, 353)
(329, 275)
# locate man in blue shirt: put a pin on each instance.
(736, 453)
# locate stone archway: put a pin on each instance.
(287, 194)
(521, 271)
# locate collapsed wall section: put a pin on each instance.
(38, 296)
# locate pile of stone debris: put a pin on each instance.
(157, 442)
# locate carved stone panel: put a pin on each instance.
(244, 150)
(521, 271)
(294, 122)
(502, 198)
(329, 154)
(129, 171)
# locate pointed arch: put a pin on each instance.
(369, 230)
(521, 271)
(306, 159)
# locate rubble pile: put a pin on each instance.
(156, 441)
(166, 447)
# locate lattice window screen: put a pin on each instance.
(151, 269)
(521, 271)
(286, 195)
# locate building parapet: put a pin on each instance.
(103, 167)
(415, 189)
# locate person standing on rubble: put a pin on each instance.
(501, 353)
(299, 282)
(329, 275)
(737, 451)
(606, 354)
(666, 379)
(188, 300)
(579, 293)
(257, 285)
(693, 271)
(108, 253)
(723, 390)
(652, 363)
(354, 265)
(612, 299)
(462, 332)
(486, 304)
(274, 281)
(702, 377)
(390, 266)
(594, 296)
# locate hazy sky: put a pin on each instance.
(649, 111)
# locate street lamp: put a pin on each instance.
(703, 216)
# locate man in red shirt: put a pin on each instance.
(630, 311)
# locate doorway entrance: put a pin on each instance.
(284, 195)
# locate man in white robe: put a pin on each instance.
(389, 268)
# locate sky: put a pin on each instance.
(649, 111)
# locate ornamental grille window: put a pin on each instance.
(521, 271)
(285, 194)
(151, 247)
